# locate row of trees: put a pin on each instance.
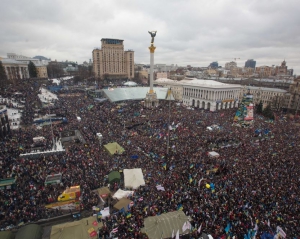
(267, 111)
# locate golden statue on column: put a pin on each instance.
(151, 97)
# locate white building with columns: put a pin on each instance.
(205, 94)
(15, 69)
(211, 95)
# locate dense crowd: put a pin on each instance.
(255, 184)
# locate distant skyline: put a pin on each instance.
(189, 32)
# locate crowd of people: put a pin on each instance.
(255, 184)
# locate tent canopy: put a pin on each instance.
(114, 176)
(123, 203)
(114, 148)
(31, 231)
(133, 178)
(103, 192)
(75, 230)
(6, 235)
(163, 225)
(213, 154)
(122, 194)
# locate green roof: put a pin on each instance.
(114, 176)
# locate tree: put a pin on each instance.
(3, 78)
(267, 112)
(32, 70)
(54, 70)
(259, 108)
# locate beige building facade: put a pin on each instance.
(277, 98)
(41, 71)
(111, 61)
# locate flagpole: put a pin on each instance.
(168, 139)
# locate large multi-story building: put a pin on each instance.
(250, 63)
(205, 94)
(277, 98)
(111, 61)
(264, 71)
(281, 70)
(16, 66)
(294, 95)
(15, 69)
(41, 71)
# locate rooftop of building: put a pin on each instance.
(265, 89)
(199, 82)
(134, 93)
(12, 62)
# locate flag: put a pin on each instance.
(122, 210)
(190, 179)
(177, 235)
(222, 115)
(160, 188)
(165, 166)
(179, 207)
(128, 215)
(280, 232)
(115, 230)
(173, 233)
(192, 165)
(227, 228)
(268, 223)
(141, 199)
(184, 227)
(199, 229)
(199, 182)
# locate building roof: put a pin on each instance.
(134, 93)
(12, 62)
(265, 89)
(207, 83)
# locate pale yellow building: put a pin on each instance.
(41, 71)
(111, 61)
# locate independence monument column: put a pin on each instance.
(151, 100)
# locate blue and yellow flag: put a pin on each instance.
(179, 207)
(165, 166)
(190, 179)
(128, 215)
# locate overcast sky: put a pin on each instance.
(189, 32)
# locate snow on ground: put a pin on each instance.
(57, 81)
(14, 117)
(11, 101)
(47, 96)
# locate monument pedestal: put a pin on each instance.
(151, 100)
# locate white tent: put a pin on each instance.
(133, 178)
(213, 154)
(122, 194)
(105, 212)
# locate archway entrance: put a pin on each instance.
(198, 104)
(217, 106)
(208, 106)
(203, 105)
(193, 103)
